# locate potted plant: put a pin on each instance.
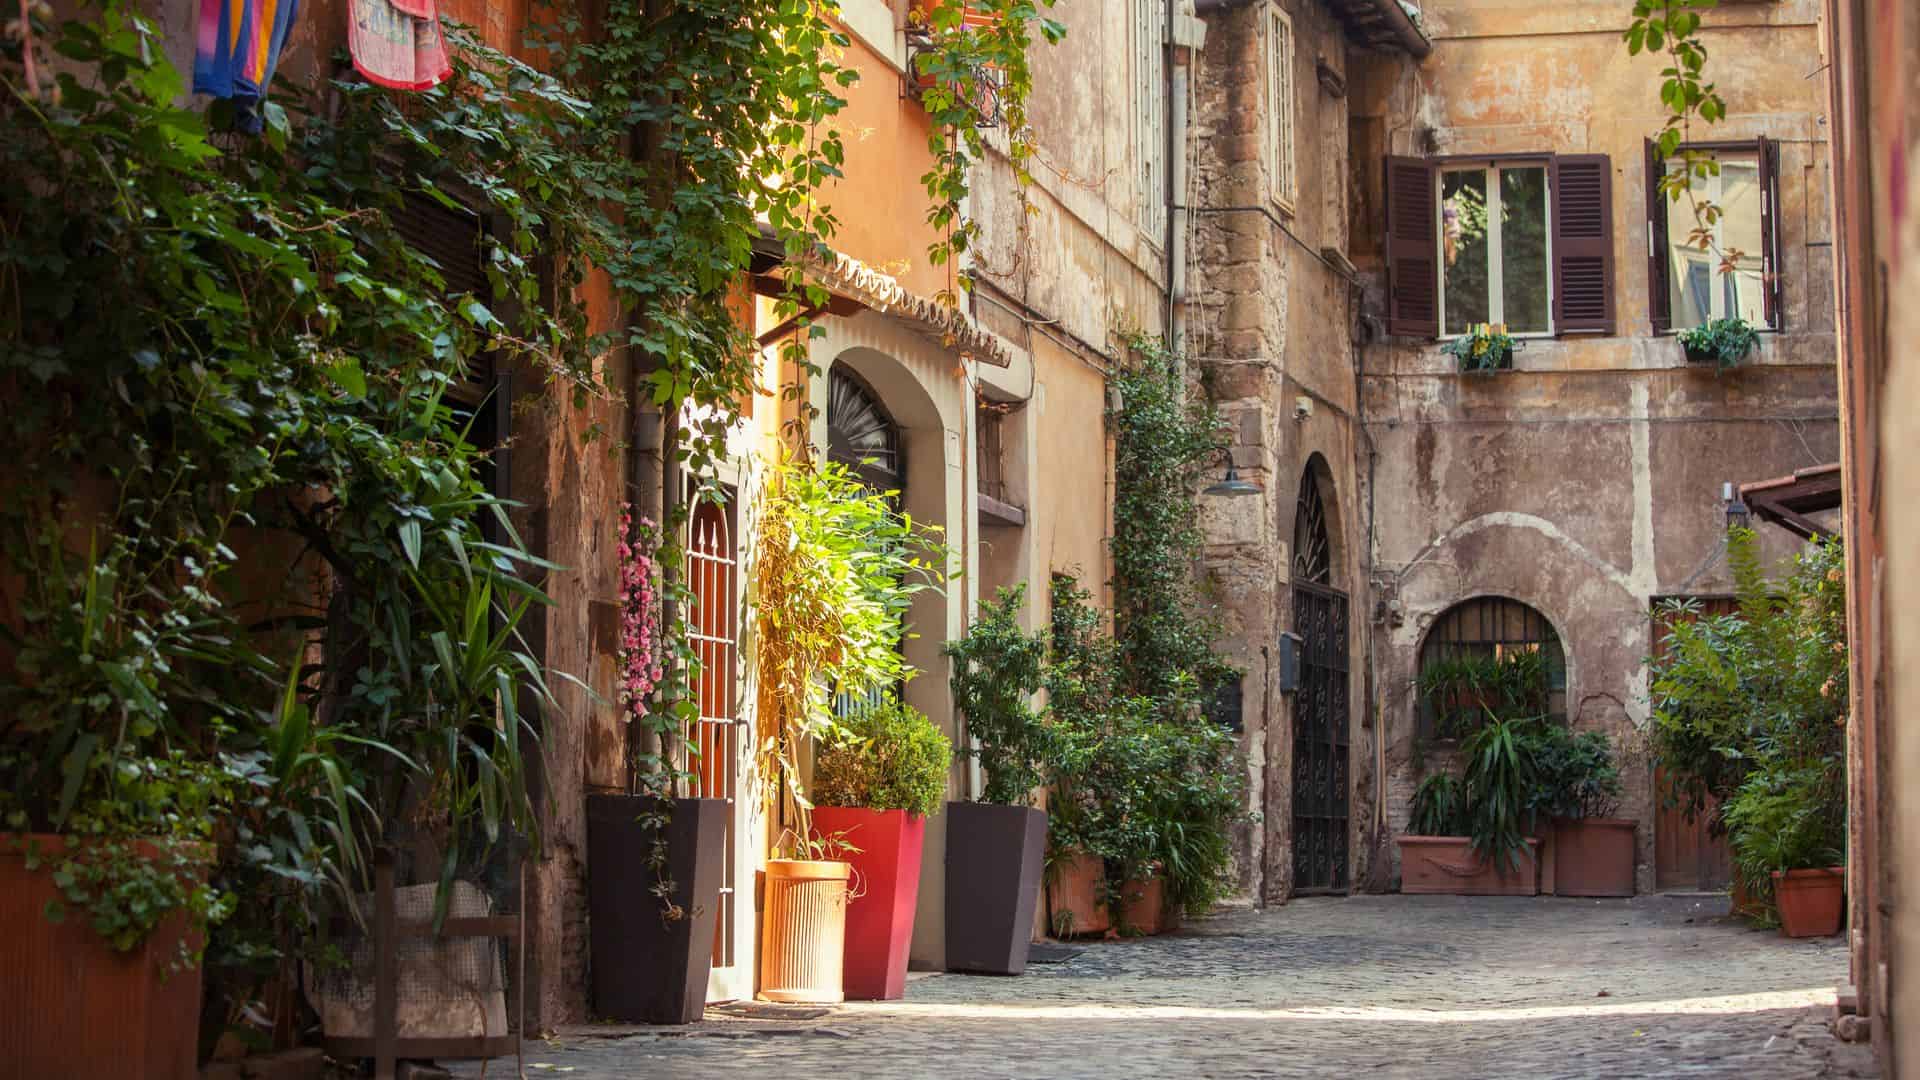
(655, 856)
(1724, 343)
(874, 787)
(835, 570)
(1484, 347)
(1788, 829)
(1578, 792)
(995, 844)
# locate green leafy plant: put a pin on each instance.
(1577, 776)
(1502, 779)
(1783, 818)
(1721, 342)
(887, 756)
(996, 672)
(835, 570)
(1486, 348)
(1440, 807)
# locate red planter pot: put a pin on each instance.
(886, 881)
(73, 1006)
(1810, 901)
(1448, 864)
(1593, 856)
(1073, 896)
(1144, 908)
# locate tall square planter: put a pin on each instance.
(1593, 856)
(648, 967)
(70, 1004)
(1449, 865)
(994, 856)
(880, 920)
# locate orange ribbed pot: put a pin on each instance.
(1073, 896)
(803, 931)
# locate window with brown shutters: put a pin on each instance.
(1413, 278)
(1524, 242)
(1583, 244)
(1728, 266)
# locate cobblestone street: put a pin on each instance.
(1385, 985)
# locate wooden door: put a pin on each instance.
(1687, 856)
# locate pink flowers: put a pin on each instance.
(639, 649)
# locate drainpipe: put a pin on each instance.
(1182, 42)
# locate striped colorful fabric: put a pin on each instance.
(238, 48)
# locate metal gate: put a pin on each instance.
(713, 632)
(1320, 827)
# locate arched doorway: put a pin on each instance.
(862, 434)
(1320, 742)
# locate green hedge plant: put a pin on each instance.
(887, 756)
(996, 672)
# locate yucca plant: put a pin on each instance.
(1501, 780)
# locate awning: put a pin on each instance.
(1789, 501)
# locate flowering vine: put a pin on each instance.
(639, 648)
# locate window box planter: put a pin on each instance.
(1484, 350)
(74, 1006)
(1449, 865)
(994, 855)
(1074, 906)
(648, 968)
(880, 921)
(803, 934)
(1593, 856)
(1810, 901)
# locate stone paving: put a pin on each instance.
(1389, 986)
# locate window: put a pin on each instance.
(1149, 97)
(1722, 269)
(1280, 102)
(1525, 241)
(1488, 628)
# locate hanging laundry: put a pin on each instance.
(398, 43)
(238, 48)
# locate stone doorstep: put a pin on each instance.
(305, 1063)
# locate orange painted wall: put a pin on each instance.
(880, 203)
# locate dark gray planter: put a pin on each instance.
(993, 883)
(647, 968)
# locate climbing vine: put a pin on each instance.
(1672, 28)
(975, 73)
(1163, 624)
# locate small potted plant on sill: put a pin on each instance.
(1485, 347)
(1578, 793)
(874, 787)
(996, 844)
(835, 570)
(1723, 343)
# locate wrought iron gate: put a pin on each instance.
(1320, 827)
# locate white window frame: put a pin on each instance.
(1712, 189)
(1149, 96)
(1281, 97)
(1496, 301)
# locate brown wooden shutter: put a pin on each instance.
(1769, 157)
(451, 238)
(1659, 268)
(1413, 271)
(1582, 244)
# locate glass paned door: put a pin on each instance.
(719, 737)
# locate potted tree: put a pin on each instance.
(656, 856)
(1788, 830)
(874, 787)
(995, 844)
(1579, 791)
(835, 570)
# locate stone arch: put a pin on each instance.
(1493, 624)
(1317, 551)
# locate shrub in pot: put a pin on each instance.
(874, 787)
(1577, 794)
(835, 570)
(1788, 829)
(996, 845)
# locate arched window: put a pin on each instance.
(1312, 547)
(861, 434)
(1489, 652)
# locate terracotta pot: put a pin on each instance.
(993, 884)
(1544, 856)
(886, 877)
(648, 968)
(803, 931)
(1594, 856)
(1810, 901)
(1742, 901)
(1143, 906)
(1074, 882)
(1448, 864)
(73, 1006)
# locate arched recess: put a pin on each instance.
(1321, 798)
(1487, 627)
(862, 433)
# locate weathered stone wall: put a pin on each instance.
(1587, 482)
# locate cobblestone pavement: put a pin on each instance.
(1387, 986)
